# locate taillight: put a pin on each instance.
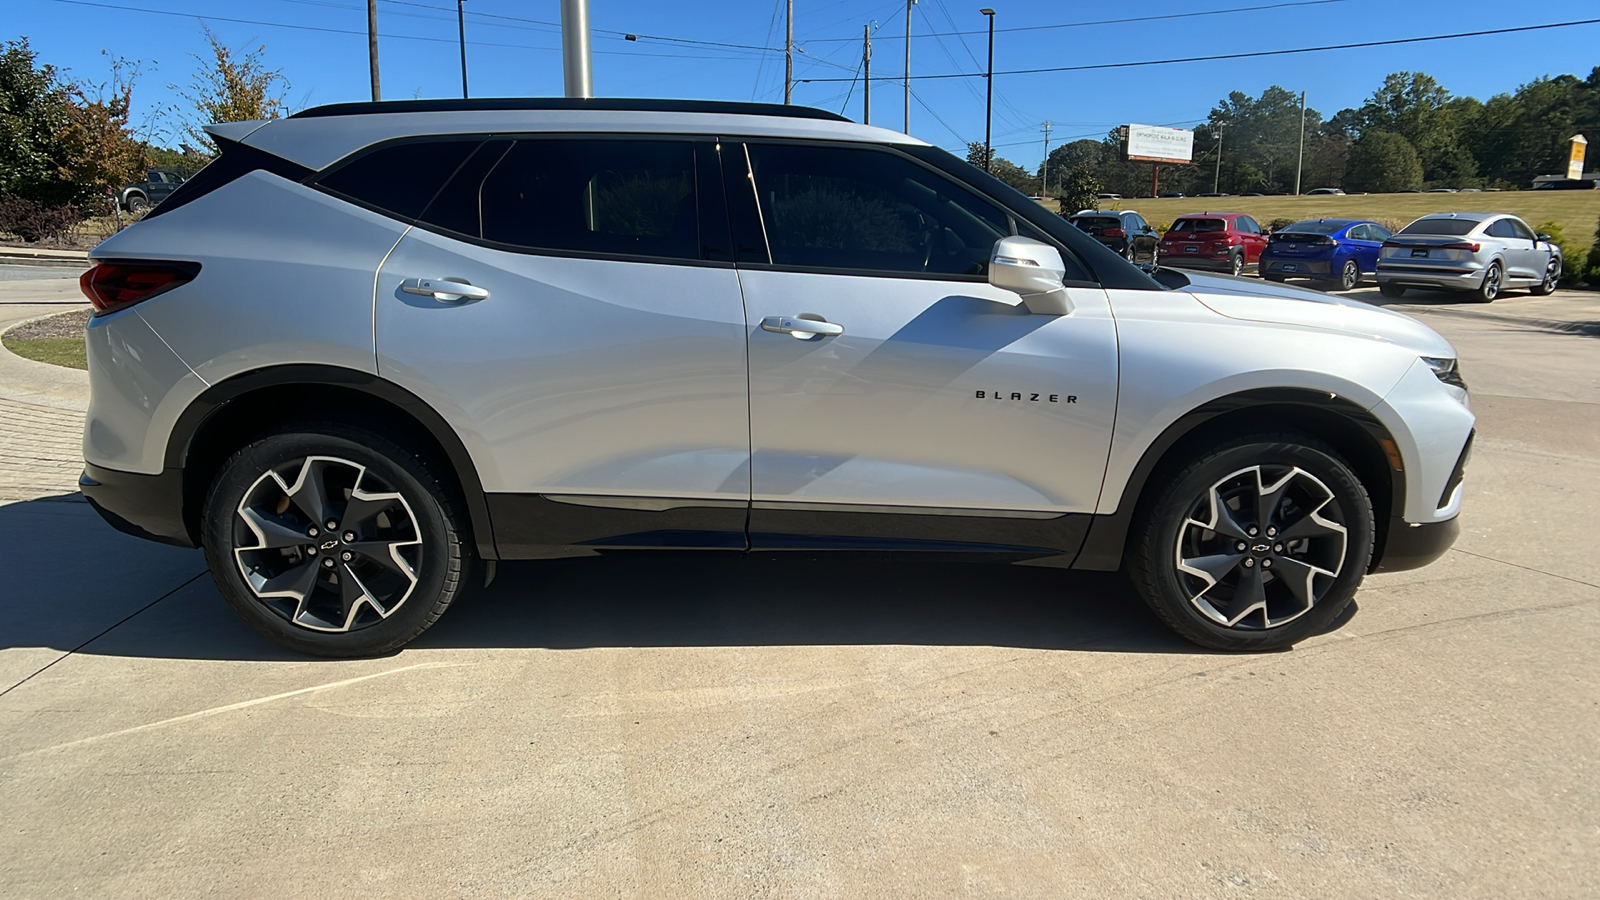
(1462, 245)
(1114, 232)
(115, 284)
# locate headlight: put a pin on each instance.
(1446, 370)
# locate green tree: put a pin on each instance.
(101, 153)
(35, 105)
(1080, 189)
(233, 86)
(1382, 162)
(977, 155)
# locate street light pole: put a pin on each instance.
(575, 49)
(372, 47)
(1300, 162)
(988, 102)
(1217, 179)
(461, 27)
(908, 65)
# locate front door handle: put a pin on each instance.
(445, 290)
(802, 326)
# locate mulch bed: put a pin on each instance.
(65, 325)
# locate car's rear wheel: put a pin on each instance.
(1279, 279)
(1391, 290)
(1236, 264)
(1350, 275)
(1490, 287)
(334, 541)
(1258, 543)
(1552, 274)
(138, 205)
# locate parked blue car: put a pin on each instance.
(1336, 251)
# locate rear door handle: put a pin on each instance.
(802, 328)
(445, 290)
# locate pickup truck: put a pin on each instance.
(157, 184)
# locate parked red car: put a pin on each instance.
(1226, 242)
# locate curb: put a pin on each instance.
(1584, 328)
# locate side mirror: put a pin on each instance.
(1033, 270)
(1543, 237)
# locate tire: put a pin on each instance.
(1129, 253)
(1276, 279)
(1490, 288)
(1350, 275)
(1236, 265)
(366, 588)
(1552, 274)
(1311, 493)
(1391, 290)
(138, 205)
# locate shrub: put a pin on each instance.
(1280, 224)
(33, 222)
(1572, 266)
(1594, 257)
(1391, 224)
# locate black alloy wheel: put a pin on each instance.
(1259, 543)
(1350, 275)
(334, 541)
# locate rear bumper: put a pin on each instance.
(1451, 279)
(1411, 546)
(145, 506)
(1296, 268)
(1197, 261)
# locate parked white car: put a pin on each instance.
(1484, 253)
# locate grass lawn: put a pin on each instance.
(1575, 211)
(56, 351)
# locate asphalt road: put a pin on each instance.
(808, 726)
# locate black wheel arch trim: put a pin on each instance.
(204, 409)
(1292, 407)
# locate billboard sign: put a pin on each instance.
(1575, 160)
(1152, 143)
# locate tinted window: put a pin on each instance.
(1313, 227)
(1136, 222)
(628, 197)
(841, 208)
(1248, 225)
(400, 178)
(1451, 227)
(1520, 229)
(1379, 233)
(1358, 233)
(1193, 226)
(457, 207)
(1095, 224)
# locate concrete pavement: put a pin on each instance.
(822, 726)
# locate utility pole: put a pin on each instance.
(988, 101)
(461, 26)
(1217, 178)
(372, 46)
(909, 4)
(1044, 170)
(575, 49)
(1301, 160)
(788, 55)
(866, 68)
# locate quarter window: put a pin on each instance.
(857, 209)
(401, 178)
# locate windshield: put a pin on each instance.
(1320, 227)
(1197, 225)
(1452, 227)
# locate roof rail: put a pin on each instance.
(608, 104)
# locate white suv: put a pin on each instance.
(374, 348)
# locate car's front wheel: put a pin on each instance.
(1258, 543)
(334, 541)
(1552, 274)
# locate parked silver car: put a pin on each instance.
(455, 332)
(1484, 253)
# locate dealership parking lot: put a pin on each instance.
(803, 726)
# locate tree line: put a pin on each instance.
(1410, 134)
(67, 145)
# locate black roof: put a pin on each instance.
(493, 104)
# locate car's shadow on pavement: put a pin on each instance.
(74, 584)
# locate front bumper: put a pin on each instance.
(1410, 546)
(145, 506)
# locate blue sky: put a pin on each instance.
(511, 54)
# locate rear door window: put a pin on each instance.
(615, 197)
(399, 178)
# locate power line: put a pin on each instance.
(1254, 54)
(1139, 19)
